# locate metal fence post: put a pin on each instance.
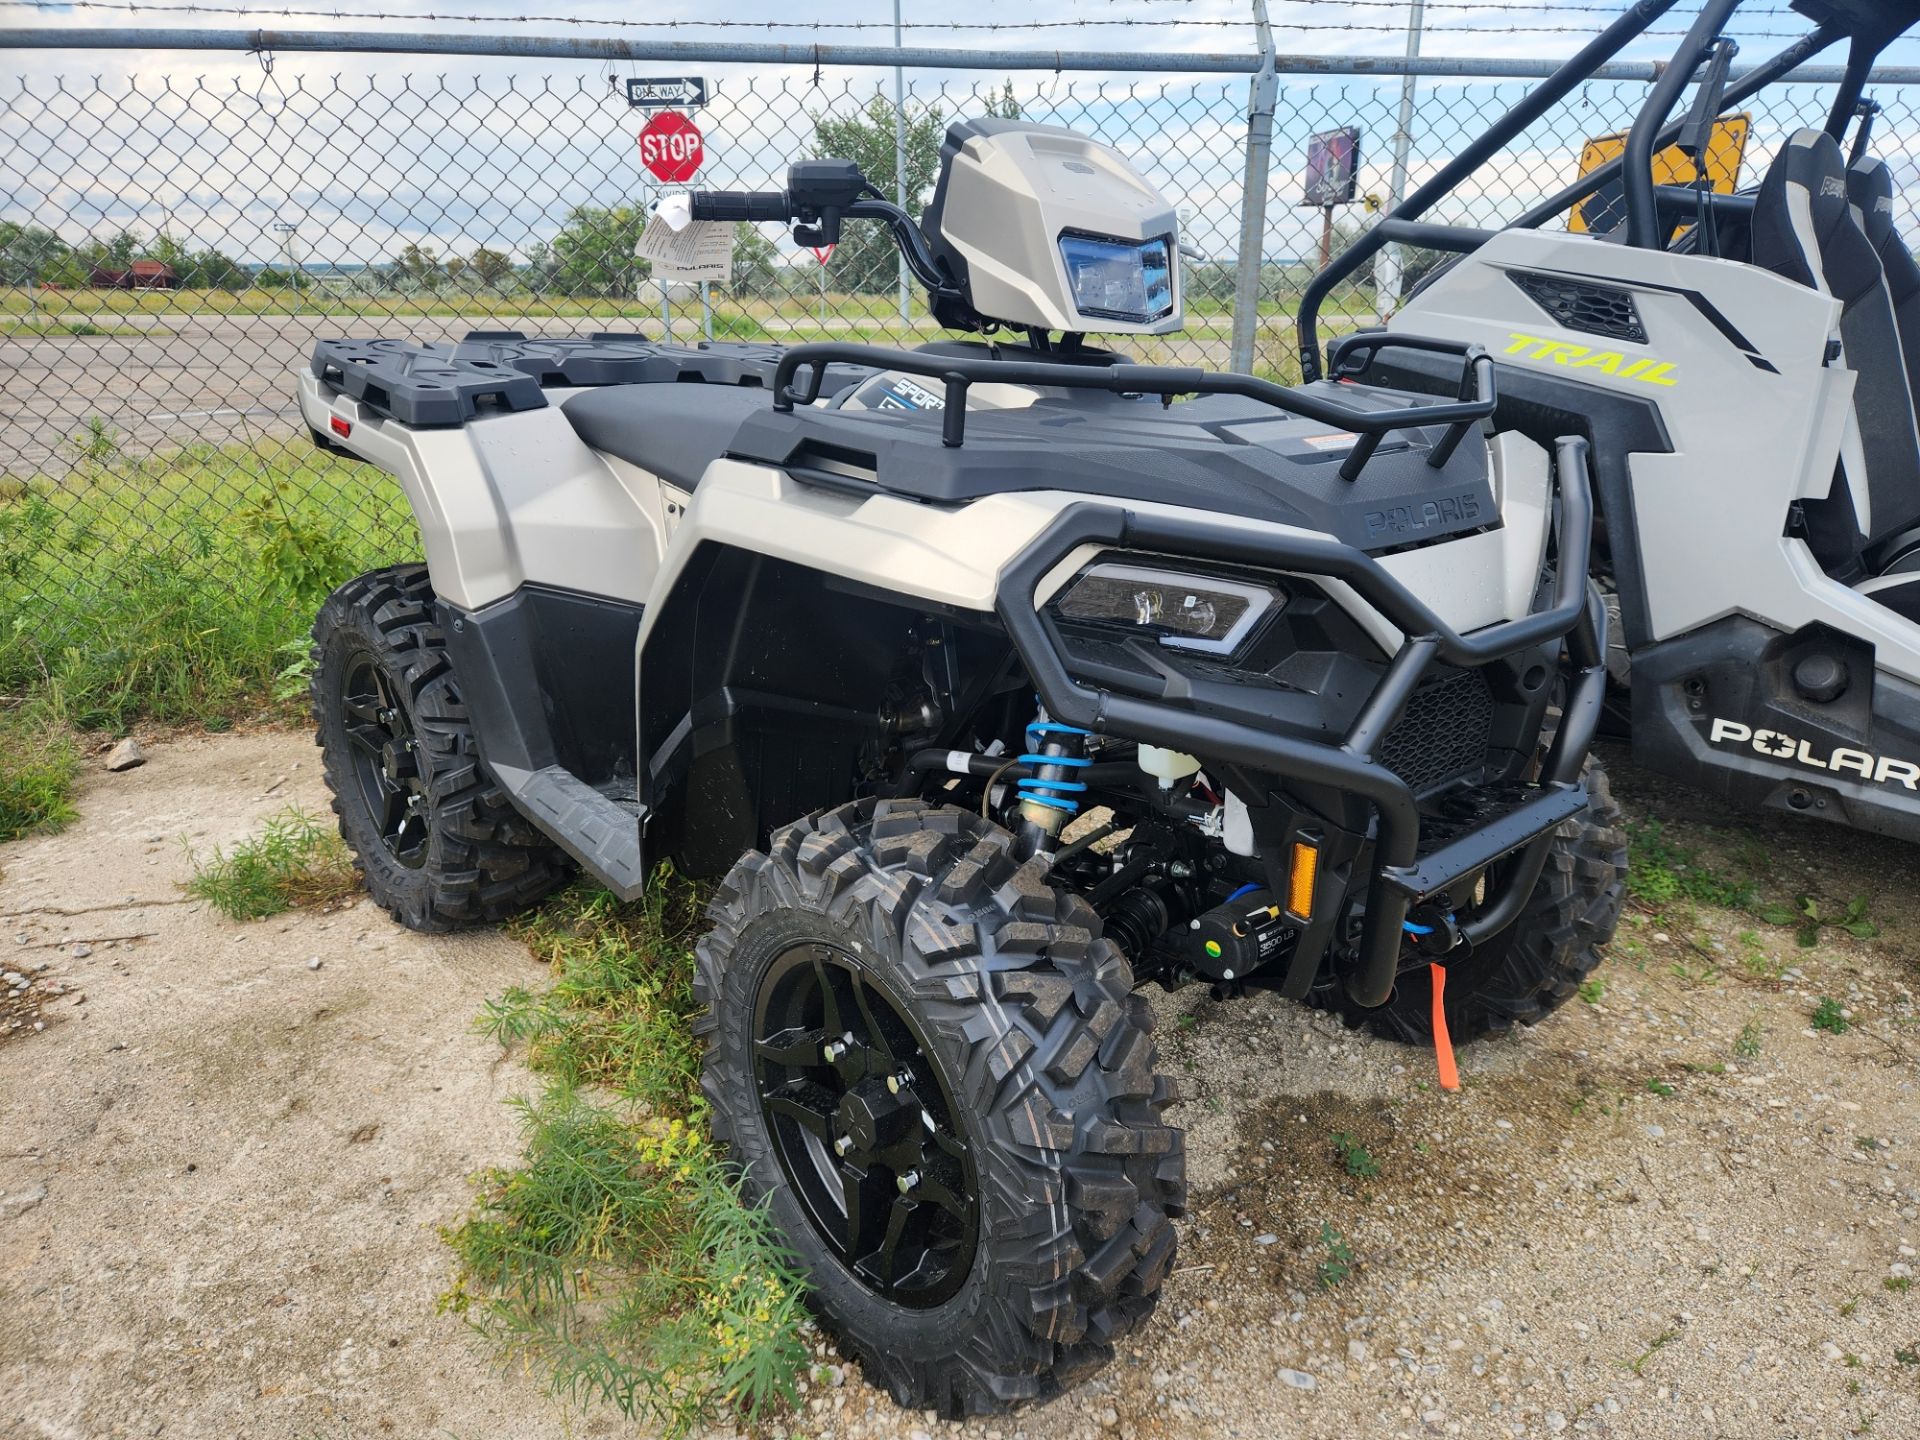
(1262, 94)
(1387, 268)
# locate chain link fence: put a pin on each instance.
(171, 247)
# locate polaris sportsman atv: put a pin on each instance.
(1746, 367)
(989, 683)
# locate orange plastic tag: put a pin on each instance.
(1442, 1042)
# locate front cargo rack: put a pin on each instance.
(427, 385)
(1476, 400)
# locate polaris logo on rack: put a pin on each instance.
(1777, 745)
(1443, 514)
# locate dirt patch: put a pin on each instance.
(240, 1161)
(1673, 1209)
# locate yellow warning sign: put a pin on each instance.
(1605, 210)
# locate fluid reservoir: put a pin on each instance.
(1167, 766)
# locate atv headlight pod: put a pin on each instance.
(1129, 280)
(1194, 612)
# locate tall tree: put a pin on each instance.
(865, 261)
(593, 253)
(756, 263)
(492, 268)
(419, 265)
(31, 255)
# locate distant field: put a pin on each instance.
(51, 311)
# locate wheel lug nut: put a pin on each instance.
(833, 1050)
(897, 1083)
(843, 1145)
(907, 1181)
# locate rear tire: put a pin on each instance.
(1033, 1080)
(436, 841)
(1539, 962)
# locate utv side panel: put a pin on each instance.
(1729, 708)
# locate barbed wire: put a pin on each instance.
(1118, 22)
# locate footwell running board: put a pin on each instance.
(602, 833)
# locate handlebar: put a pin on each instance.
(741, 205)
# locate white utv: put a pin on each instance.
(989, 680)
(1746, 367)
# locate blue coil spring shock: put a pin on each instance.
(1051, 796)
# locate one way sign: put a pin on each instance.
(675, 90)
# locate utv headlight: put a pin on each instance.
(1130, 280)
(1194, 612)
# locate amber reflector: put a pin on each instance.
(1306, 865)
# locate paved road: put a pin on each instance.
(229, 379)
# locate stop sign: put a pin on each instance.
(670, 147)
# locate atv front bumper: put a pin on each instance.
(1404, 868)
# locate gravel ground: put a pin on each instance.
(1673, 1210)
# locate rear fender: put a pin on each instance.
(507, 499)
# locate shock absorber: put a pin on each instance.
(1050, 796)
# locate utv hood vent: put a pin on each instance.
(1582, 305)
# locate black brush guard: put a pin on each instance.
(1402, 873)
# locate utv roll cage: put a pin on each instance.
(1868, 26)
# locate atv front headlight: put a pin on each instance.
(1130, 280)
(1194, 612)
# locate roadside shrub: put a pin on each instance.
(297, 859)
(617, 1258)
(38, 763)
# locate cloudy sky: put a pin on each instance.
(366, 152)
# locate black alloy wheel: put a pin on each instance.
(863, 1127)
(386, 760)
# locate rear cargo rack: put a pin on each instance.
(490, 371)
(1477, 393)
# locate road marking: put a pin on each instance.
(209, 414)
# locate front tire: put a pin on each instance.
(1537, 963)
(933, 1071)
(436, 841)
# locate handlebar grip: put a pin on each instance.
(741, 205)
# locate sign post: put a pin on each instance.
(1333, 176)
(672, 150)
(822, 253)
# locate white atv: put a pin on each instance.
(1746, 367)
(989, 683)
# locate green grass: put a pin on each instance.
(617, 1260)
(168, 587)
(1338, 1264)
(1354, 1157)
(1661, 870)
(296, 859)
(1829, 1015)
(172, 588)
(38, 763)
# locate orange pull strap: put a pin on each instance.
(1442, 1042)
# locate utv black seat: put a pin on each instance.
(673, 431)
(1870, 192)
(1804, 229)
